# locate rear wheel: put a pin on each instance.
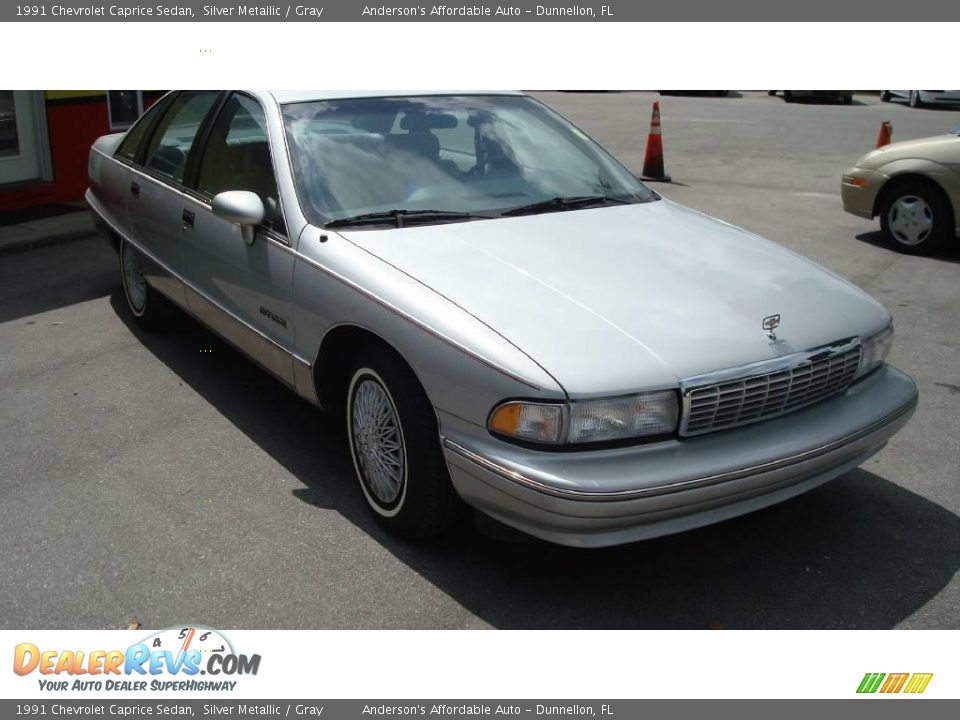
(885, 96)
(394, 444)
(916, 218)
(148, 307)
(914, 99)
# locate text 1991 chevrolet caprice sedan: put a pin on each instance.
(502, 314)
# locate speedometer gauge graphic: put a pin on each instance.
(178, 640)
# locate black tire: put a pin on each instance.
(847, 99)
(927, 200)
(772, 93)
(423, 504)
(885, 96)
(788, 96)
(149, 308)
(914, 99)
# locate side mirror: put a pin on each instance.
(240, 207)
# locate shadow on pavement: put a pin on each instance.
(860, 552)
(50, 278)
(875, 238)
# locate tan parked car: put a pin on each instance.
(914, 186)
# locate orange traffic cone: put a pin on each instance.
(886, 132)
(653, 160)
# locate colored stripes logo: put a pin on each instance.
(894, 682)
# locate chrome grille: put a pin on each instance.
(767, 390)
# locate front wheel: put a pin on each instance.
(147, 306)
(916, 218)
(885, 96)
(914, 99)
(394, 444)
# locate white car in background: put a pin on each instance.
(919, 98)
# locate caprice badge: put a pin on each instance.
(771, 323)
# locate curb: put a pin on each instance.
(46, 232)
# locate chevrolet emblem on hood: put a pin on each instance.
(771, 323)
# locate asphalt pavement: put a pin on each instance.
(163, 479)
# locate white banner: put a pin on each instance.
(58, 664)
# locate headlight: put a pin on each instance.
(588, 421)
(874, 350)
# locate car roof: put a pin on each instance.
(285, 97)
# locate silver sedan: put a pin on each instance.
(502, 314)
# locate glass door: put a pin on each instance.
(23, 142)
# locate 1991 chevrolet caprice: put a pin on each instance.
(502, 314)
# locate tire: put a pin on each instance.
(916, 217)
(395, 447)
(885, 96)
(847, 99)
(788, 96)
(149, 308)
(772, 93)
(914, 99)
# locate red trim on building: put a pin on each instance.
(72, 125)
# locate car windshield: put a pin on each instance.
(445, 159)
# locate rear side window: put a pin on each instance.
(170, 143)
(237, 155)
(135, 137)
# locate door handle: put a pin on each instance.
(188, 217)
(135, 189)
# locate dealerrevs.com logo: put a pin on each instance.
(172, 659)
(887, 683)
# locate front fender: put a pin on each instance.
(947, 178)
(464, 366)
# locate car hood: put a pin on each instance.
(939, 148)
(619, 299)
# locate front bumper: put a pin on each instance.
(859, 189)
(608, 497)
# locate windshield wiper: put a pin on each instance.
(402, 218)
(565, 203)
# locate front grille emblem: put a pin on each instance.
(771, 323)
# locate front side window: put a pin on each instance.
(237, 155)
(452, 154)
(170, 143)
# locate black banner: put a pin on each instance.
(853, 709)
(516, 11)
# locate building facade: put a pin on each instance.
(45, 137)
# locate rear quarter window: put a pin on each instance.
(136, 135)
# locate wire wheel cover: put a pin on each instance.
(377, 441)
(133, 279)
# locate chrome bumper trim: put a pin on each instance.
(807, 455)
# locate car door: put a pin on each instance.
(154, 193)
(112, 179)
(241, 290)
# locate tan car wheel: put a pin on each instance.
(916, 218)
